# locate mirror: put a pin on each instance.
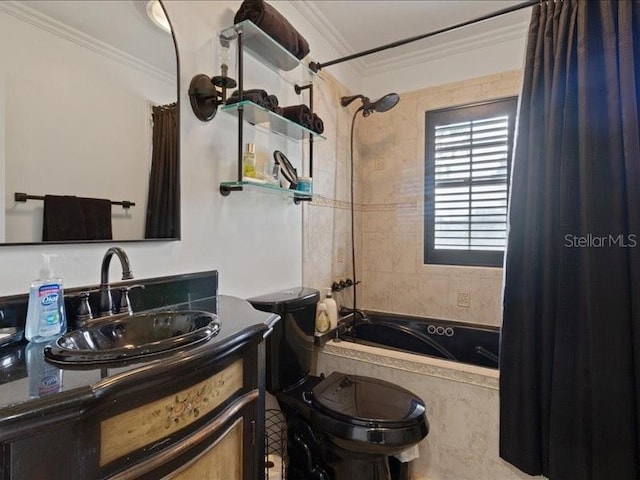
(88, 109)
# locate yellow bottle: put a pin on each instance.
(322, 319)
(249, 161)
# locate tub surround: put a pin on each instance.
(219, 382)
(461, 402)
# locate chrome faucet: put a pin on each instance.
(106, 302)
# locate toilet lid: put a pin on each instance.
(367, 401)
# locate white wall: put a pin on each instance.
(480, 54)
(496, 55)
(254, 240)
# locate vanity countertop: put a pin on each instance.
(23, 392)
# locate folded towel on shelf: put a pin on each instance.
(273, 101)
(273, 24)
(68, 218)
(317, 124)
(299, 114)
(257, 96)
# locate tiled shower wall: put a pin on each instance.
(391, 178)
(389, 195)
(326, 221)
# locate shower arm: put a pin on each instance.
(316, 67)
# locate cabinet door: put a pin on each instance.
(223, 460)
(222, 449)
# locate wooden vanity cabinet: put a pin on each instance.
(193, 417)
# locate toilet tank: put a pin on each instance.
(290, 345)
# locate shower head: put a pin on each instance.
(381, 105)
(387, 102)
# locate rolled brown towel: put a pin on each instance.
(299, 114)
(257, 96)
(273, 101)
(273, 24)
(318, 124)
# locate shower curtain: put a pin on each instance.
(570, 347)
(162, 204)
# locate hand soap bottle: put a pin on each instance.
(322, 319)
(45, 312)
(332, 309)
(249, 162)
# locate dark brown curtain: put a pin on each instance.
(570, 352)
(164, 190)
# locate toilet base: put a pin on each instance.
(315, 457)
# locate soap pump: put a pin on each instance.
(322, 319)
(332, 309)
(45, 311)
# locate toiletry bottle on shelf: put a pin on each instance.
(332, 309)
(267, 170)
(249, 161)
(322, 319)
(45, 312)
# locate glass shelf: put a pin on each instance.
(258, 115)
(264, 48)
(227, 187)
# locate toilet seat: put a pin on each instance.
(367, 402)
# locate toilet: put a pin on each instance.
(339, 427)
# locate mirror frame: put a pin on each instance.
(178, 236)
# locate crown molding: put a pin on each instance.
(44, 22)
(506, 34)
(332, 36)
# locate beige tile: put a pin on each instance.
(323, 183)
(375, 291)
(380, 221)
(486, 301)
(377, 252)
(404, 253)
(408, 220)
(435, 294)
(407, 298)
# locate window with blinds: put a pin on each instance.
(466, 183)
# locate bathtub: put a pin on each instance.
(455, 341)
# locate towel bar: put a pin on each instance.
(23, 197)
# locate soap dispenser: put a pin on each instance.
(45, 311)
(322, 319)
(332, 309)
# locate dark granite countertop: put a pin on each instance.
(28, 383)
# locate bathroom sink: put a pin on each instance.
(133, 336)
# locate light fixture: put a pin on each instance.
(205, 94)
(156, 14)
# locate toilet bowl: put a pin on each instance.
(340, 427)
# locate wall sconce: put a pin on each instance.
(205, 94)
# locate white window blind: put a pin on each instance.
(467, 166)
(471, 168)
